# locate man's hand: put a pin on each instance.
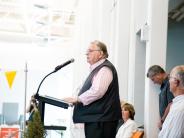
(71, 100)
(160, 124)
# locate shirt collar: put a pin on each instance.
(92, 67)
(178, 98)
(165, 81)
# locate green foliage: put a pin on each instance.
(35, 128)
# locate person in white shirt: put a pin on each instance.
(129, 126)
(173, 126)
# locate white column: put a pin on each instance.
(155, 54)
(123, 43)
(136, 83)
(120, 43)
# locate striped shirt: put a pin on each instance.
(173, 126)
(100, 84)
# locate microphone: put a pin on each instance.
(63, 65)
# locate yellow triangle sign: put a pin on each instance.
(10, 76)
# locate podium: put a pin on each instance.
(52, 101)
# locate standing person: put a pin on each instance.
(32, 108)
(160, 77)
(129, 126)
(98, 103)
(173, 126)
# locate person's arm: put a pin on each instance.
(169, 100)
(164, 116)
(100, 84)
(166, 112)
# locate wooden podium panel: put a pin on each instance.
(7, 132)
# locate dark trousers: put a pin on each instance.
(100, 129)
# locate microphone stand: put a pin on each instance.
(41, 100)
(41, 105)
(55, 70)
(37, 95)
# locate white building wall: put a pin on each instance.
(154, 13)
(116, 22)
(121, 44)
(140, 13)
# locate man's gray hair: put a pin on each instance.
(102, 47)
(154, 70)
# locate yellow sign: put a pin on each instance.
(10, 76)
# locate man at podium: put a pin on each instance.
(98, 103)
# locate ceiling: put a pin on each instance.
(176, 10)
(50, 20)
(35, 20)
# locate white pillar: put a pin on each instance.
(123, 43)
(155, 54)
(137, 50)
(120, 30)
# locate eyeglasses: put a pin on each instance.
(171, 77)
(90, 50)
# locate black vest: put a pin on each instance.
(106, 108)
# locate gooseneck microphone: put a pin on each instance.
(63, 65)
(55, 70)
